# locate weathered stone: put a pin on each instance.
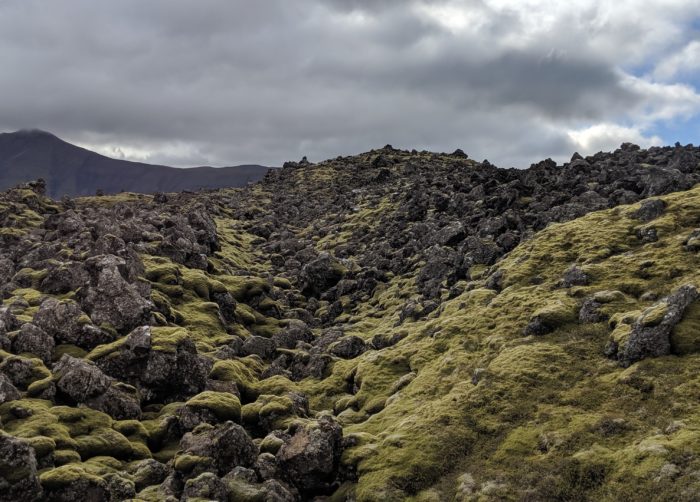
(650, 334)
(18, 470)
(311, 456)
(34, 340)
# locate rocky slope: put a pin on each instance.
(70, 170)
(390, 326)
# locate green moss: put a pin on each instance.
(654, 315)
(42, 445)
(242, 491)
(244, 372)
(33, 297)
(281, 282)
(104, 350)
(167, 339)
(132, 429)
(36, 370)
(101, 442)
(685, 338)
(81, 421)
(66, 475)
(225, 406)
(71, 350)
(271, 444)
(187, 463)
(274, 412)
(557, 312)
(62, 457)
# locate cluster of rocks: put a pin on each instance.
(436, 217)
(83, 328)
(73, 283)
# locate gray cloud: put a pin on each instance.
(223, 82)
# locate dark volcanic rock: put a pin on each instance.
(79, 380)
(34, 340)
(310, 458)
(110, 299)
(8, 392)
(227, 445)
(649, 210)
(650, 334)
(18, 470)
(321, 274)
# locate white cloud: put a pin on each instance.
(685, 61)
(265, 82)
(607, 136)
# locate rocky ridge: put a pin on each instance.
(364, 328)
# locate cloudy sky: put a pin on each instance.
(224, 82)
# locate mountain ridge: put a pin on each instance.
(30, 154)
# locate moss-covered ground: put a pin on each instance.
(465, 405)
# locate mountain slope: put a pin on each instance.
(389, 326)
(71, 170)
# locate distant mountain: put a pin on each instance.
(70, 170)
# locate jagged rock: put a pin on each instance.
(692, 242)
(309, 365)
(451, 235)
(574, 276)
(415, 310)
(119, 488)
(18, 470)
(160, 198)
(258, 345)
(7, 269)
(321, 274)
(79, 380)
(266, 466)
(66, 323)
(64, 278)
(296, 331)
(242, 484)
(227, 305)
(650, 334)
(148, 472)
(227, 445)
(20, 370)
(63, 485)
(8, 392)
(34, 340)
(647, 234)
(383, 341)
(120, 401)
(206, 486)
(650, 210)
(172, 371)
(110, 299)
(590, 312)
(348, 347)
(310, 458)
(8, 321)
(442, 264)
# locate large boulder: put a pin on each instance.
(18, 471)
(110, 299)
(220, 448)
(67, 323)
(321, 274)
(650, 334)
(310, 457)
(79, 380)
(8, 392)
(34, 340)
(170, 370)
